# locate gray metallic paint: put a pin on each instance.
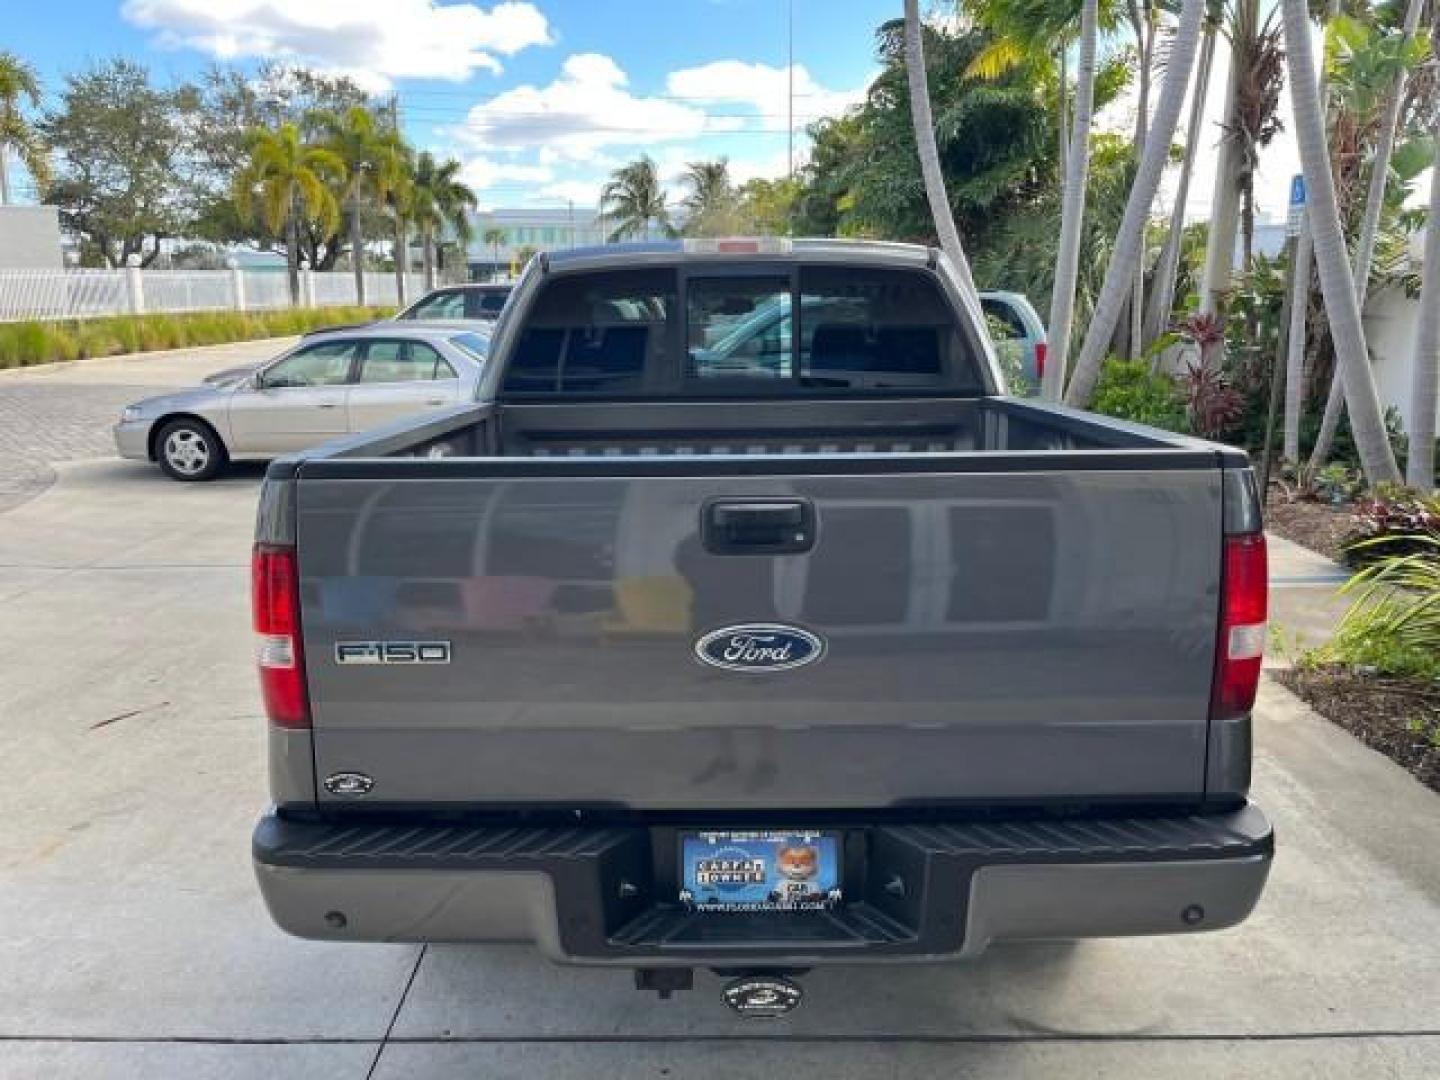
(573, 592)
(1076, 664)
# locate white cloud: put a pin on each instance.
(765, 88)
(481, 173)
(559, 142)
(372, 40)
(583, 111)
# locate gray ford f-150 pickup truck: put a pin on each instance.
(683, 648)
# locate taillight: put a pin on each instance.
(275, 595)
(1041, 349)
(1243, 591)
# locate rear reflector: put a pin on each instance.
(1243, 609)
(275, 596)
(1041, 349)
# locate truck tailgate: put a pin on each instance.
(972, 635)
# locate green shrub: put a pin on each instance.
(1129, 390)
(1394, 624)
(26, 343)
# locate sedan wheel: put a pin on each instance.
(187, 450)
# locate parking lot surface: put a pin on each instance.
(133, 942)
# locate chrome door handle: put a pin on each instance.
(327, 404)
(436, 401)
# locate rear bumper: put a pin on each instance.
(590, 895)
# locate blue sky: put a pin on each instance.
(540, 98)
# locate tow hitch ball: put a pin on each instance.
(756, 995)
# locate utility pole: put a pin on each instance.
(395, 113)
(790, 78)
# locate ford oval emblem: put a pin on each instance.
(759, 647)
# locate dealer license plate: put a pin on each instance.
(760, 870)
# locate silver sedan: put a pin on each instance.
(328, 385)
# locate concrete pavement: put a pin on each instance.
(1305, 605)
(133, 943)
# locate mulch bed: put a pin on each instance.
(1318, 526)
(1382, 711)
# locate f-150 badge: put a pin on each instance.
(392, 652)
(759, 647)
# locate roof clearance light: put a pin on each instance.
(738, 245)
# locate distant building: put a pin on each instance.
(30, 238)
(541, 229)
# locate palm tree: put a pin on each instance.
(634, 199)
(400, 198)
(284, 180)
(495, 238)
(373, 158)
(1118, 286)
(1072, 214)
(1251, 122)
(1167, 265)
(1410, 53)
(18, 80)
(1336, 282)
(711, 196)
(1300, 279)
(924, 121)
(441, 199)
(1425, 369)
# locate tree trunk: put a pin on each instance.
(1247, 221)
(1145, 33)
(428, 256)
(4, 178)
(1300, 279)
(1062, 110)
(1128, 240)
(1425, 368)
(292, 251)
(1336, 282)
(1301, 275)
(928, 151)
(1072, 215)
(400, 257)
(357, 256)
(1224, 205)
(1369, 231)
(1167, 267)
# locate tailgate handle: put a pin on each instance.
(758, 526)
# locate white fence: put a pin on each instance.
(84, 294)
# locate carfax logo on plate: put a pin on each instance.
(759, 647)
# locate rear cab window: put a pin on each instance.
(445, 304)
(485, 303)
(1003, 320)
(767, 330)
(596, 333)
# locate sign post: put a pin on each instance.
(1294, 225)
(1295, 219)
